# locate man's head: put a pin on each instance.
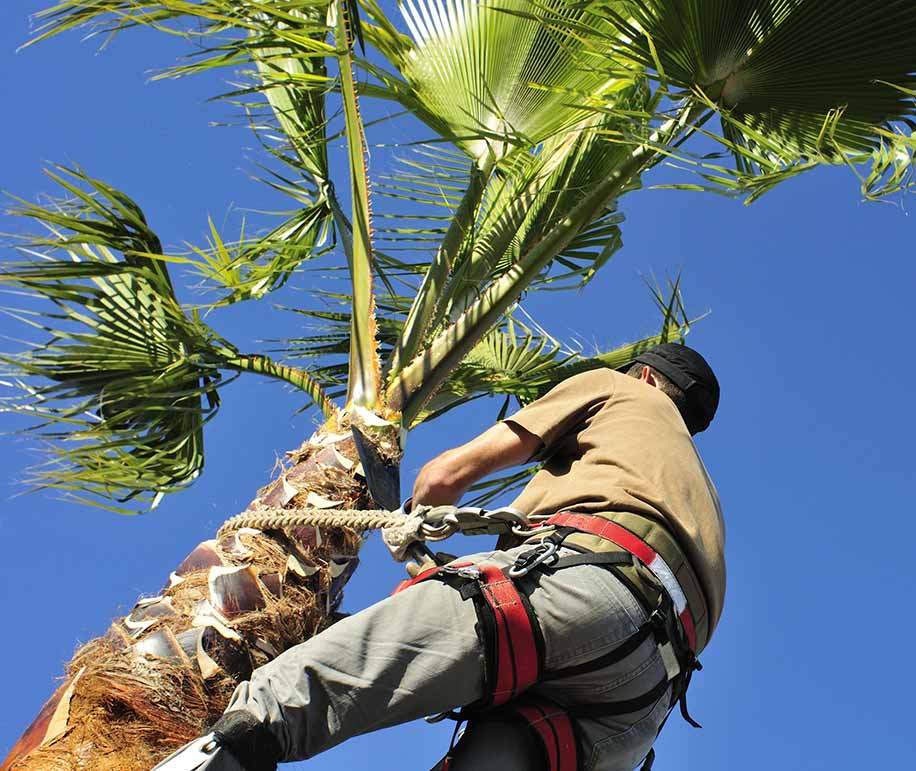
(683, 375)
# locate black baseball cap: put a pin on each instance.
(690, 372)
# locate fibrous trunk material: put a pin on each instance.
(166, 670)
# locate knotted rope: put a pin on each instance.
(400, 531)
(276, 519)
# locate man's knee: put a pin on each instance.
(498, 745)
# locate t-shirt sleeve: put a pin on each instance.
(564, 407)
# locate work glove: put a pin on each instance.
(238, 734)
(248, 740)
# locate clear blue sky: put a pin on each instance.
(811, 293)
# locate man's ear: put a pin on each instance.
(647, 377)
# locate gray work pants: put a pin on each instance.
(418, 653)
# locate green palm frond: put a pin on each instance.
(532, 193)
(492, 77)
(287, 46)
(250, 267)
(797, 82)
(425, 188)
(552, 184)
(294, 80)
(423, 376)
(326, 343)
(122, 379)
(505, 214)
(446, 196)
(522, 361)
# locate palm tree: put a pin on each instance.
(543, 116)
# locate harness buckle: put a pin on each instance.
(539, 555)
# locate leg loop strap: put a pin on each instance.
(511, 634)
(554, 728)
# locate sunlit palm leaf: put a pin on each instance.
(534, 192)
(795, 79)
(489, 75)
(527, 198)
(326, 345)
(250, 268)
(425, 374)
(127, 367)
(434, 182)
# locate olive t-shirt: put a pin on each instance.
(613, 443)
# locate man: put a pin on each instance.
(581, 638)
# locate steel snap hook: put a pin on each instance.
(540, 554)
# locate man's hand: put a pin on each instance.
(447, 477)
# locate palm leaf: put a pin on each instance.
(286, 43)
(523, 361)
(795, 80)
(122, 370)
(122, 380)
(455, 240)
(490, 76)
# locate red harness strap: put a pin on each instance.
(611, 531)
(517, 660)
(421, 576)
(514, 653)
(554, 728)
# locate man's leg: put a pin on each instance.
(418, 653)
(496, 745)
(414, 654)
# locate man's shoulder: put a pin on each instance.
(597, 378)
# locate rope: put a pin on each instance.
(277, 519)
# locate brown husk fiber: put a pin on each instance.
(130, 710)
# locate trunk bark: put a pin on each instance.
(165, 671)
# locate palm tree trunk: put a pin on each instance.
(164, 672)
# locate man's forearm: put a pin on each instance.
(448, 476)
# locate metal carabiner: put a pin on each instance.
(545, 550)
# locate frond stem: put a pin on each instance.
(364, 372)
(429, 295)
(264, 365)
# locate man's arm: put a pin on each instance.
(447, 477)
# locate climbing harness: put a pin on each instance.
(513, 642)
